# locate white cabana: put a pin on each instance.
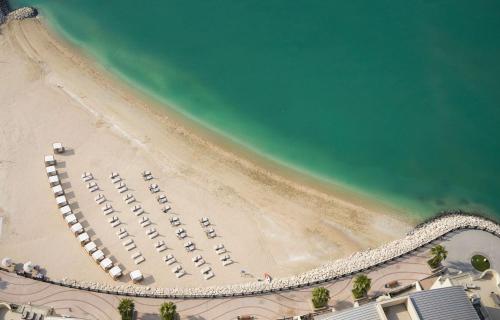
(106, 264)
(49, 160)
(115, 272)
(51, 171)
(83, 238)
(71, 219)
(90, 247)
(65, 210)
(77, 228)
(61, 201)
(58, 190)
(98, 255)
(136, 275)
(6, 262)
(53, 181)
(58, 147)
(28, 267)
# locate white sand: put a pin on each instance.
(49, 93)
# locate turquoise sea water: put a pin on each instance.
(398, 100)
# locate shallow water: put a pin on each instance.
(399, 101)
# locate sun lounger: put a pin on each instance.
(112, 219)
(169, 259)
(120, 185)
(137, 209)
(206, 270)
(90, 247)
(113, 175)
(182, 235)
(147, 178)
(130, 247)
(139, 260)
(154, 235)
(58, 147)
(147, 175)
(189, 246)
(115, 180)
(161, 198)
(87, 176)
(198, 261)
(166, 208)
(98, 255)
(51, 171)
(123, 235)
(154, 188)
(49, 160)
(91, 184)
(121, 231)
(224, 257)
(208, 275)
(145, 223)
(115, 223)
(180, 273)
(161, 249)
(99, 199)
(136, 255)
(160, 246)
(122, 189)
(128, 198)
(107, 209)
(54, 181)
(71, 219)
(127, 242)
(177, 268)
(150, 231)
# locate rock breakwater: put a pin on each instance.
(357, 262)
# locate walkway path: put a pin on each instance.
(88, 305)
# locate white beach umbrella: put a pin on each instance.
(6, 262)
(28, 267)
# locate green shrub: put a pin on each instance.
(320, 297)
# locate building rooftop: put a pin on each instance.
(438, 304)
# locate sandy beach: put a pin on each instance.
(269, 223)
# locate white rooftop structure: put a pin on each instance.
(83, 238)
(115, 272)
(61, 201)
(49, 160)
(58, 190)
(65, 210)
(58, 147)
(136, 275)
(90, 247)
(51, 170)
(71, 219)
(28, 267)
(76, 228)
(98, 255)
(54, 180)
(106, 264)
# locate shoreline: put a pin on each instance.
(247, 157)
(269, 223)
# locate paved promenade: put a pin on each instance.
(88, 305)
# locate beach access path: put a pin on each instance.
(89, 305)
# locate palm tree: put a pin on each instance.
(168, 311)
(361, 286)
(439, 254)
(126, 309)
(320, 297)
